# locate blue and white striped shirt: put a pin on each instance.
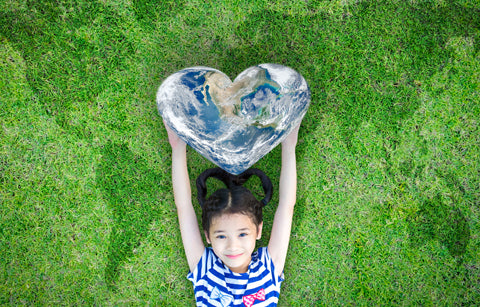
(215, 284)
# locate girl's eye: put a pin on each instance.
(243, 234)
(221, 237)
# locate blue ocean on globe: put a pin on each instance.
(233, 124)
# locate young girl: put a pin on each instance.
(230, 273)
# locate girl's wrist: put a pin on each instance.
(179, 149)
(288, 148)
(291, 140)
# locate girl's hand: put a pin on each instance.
(173, 138)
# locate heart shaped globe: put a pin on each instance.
(233, 124)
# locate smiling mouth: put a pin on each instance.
(233, 256)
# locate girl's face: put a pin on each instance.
(233, 237)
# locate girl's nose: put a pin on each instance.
(232, 243)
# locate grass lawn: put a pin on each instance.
(388, 158)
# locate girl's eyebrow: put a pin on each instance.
(238, 230)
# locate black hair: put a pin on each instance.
(233, 199)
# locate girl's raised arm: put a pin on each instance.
(191, 237)
(282, 223)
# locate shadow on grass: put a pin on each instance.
(129, 187)
(443, 222)
(378, 61)
(70, 54)
(361, 65)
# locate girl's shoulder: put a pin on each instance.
(261, 254)
(265, 263)
(205, 263)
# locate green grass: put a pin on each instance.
(388, 158)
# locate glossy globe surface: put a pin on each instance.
(233, 124)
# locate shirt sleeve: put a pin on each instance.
(267, 259)
(205, 263)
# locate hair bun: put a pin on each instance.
(232, 180)
(266, 182)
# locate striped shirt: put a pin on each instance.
(215, 284)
